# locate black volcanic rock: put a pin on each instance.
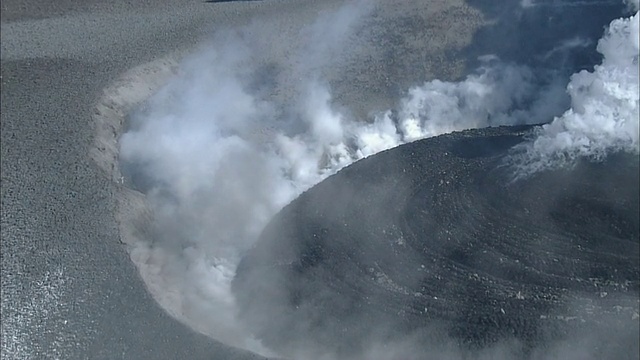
(432, 241)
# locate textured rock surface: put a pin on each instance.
(432, 239)
(69, 289)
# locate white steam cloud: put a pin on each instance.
(604, 108)
(219, 160)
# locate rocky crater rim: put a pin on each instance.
(132, 213)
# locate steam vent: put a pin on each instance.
(432, 240)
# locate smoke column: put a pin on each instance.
(217, 158)
(603, 116)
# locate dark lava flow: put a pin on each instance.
(430, 240)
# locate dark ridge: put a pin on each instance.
(431, 240)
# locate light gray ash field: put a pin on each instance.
(288, 179)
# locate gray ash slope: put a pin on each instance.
(432, 240)
(68, 287)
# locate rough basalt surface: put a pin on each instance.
(434, 241)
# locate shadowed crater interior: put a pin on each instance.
(430, 241)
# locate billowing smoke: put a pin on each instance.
(604, 108)
(224, 146)
(217, 162)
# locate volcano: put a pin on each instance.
(434, 241)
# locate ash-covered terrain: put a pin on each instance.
(289, 179)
